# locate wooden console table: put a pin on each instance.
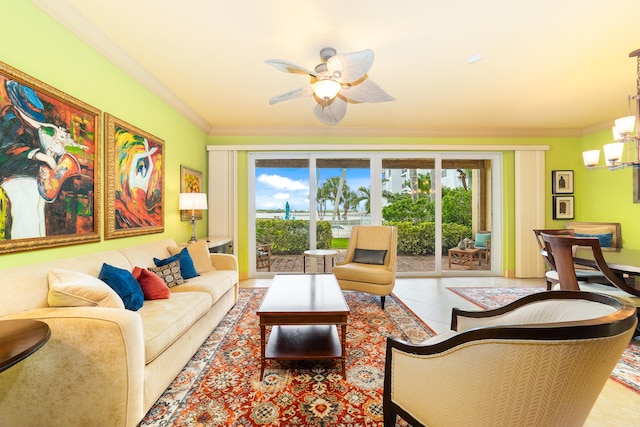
(464, 257)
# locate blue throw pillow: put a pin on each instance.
(187, 269)
(605, 239)
(124, 284)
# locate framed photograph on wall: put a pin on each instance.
(562, 182)
(50, 157)
(134, 180)
(563, 207)
(190, 182)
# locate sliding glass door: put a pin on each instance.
(438, 201)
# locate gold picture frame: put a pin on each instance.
(190, 182)
(134, 179)
(50, 164)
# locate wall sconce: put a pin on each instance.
(193, 202)
(625, 132)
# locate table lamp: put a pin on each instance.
(192, 202)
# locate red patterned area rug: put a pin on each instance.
(627, 370)
(220, 386)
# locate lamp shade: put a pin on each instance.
(326, 89)
(192, 201)
(625, 125)
(591, 158)
(613, 152)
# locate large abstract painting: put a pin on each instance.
(135, 180)
(49, 165)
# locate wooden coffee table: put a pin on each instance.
(303, 312)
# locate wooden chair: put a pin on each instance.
(561, 248)
(512, 366)
(551, 275)
(483, 242)
(263, 256)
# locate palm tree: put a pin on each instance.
(338, 194)
(365, 194)
(351, 200)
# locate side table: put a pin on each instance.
(464, 256)
(20, 338)
(318, 253)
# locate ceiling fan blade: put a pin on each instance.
(296, 93)
(349, 67)
(289, 67)
(366, 91)
(332, 112)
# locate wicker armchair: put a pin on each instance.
(541, 360)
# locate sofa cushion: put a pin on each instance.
(369, 256)
(125, 285)
(152, 285)
(170, 273)
(187, 268)
(215, 283)
(164, 321)
(74, 289)
(199, 253)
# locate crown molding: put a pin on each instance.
(77, 24)
(393, 132)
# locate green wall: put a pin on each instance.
(39, 46)
(604, 195)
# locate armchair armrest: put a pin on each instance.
(90, 372)
(224, 261)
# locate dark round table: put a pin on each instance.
(19, 338)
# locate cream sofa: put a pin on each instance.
(107, 366)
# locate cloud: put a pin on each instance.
(282, 183)
(281, 196)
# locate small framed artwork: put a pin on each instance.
(562, 182)
(563, 207)
(190, 182)
(134, 180)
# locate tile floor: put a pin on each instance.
(430, 300)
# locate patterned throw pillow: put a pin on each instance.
(187, 269)
(170, 273)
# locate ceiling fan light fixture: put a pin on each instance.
(326, 88)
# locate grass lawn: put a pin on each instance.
(340, 243)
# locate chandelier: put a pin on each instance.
(625, 134)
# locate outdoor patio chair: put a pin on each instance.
(512, 366)
(263, 256)
(369, 264)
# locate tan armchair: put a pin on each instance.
(541, 360)
(366, 267)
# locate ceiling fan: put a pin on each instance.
(335, 82)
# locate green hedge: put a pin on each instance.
(419, 239)
(291, 237)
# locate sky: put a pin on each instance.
(275, 187)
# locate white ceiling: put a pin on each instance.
(553, 66)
